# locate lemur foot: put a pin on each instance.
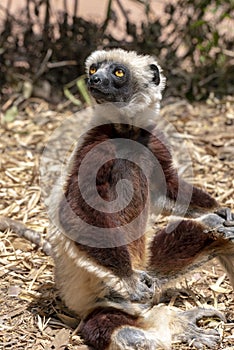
(192, 334)
(131, 338)
(161, 325)
(222, 222)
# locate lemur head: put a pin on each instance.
(121, 76)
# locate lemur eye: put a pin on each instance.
(119, 73)
(92, 70)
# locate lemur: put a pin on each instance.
(107, 270)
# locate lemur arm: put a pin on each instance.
(182, 198)
(187, 244)
(190, 242)
(190, 201)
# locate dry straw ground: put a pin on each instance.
(31, 314)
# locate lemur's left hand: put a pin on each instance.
(227, 215)
(221, 221)
(228, 224)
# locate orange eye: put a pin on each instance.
(92, 70)
(119, 73)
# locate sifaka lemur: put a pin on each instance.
(107, 270)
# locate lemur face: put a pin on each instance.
(135, 81)
(110, 82)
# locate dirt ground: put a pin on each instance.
(31, 315)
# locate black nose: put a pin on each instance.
(95, 79)
(98, 79)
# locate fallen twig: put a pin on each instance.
(22, 231)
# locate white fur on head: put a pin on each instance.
(148, 94)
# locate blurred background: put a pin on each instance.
(43, 43)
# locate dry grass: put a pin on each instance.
(32, 316)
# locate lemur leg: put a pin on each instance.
(191, 243)
(115, 330)
(155, 329)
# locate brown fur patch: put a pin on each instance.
(175, 251)
(98, 327)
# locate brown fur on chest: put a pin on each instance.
(130, 221)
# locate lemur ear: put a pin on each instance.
(156, 76)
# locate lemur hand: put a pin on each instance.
(222, 221)
(141, 287)
(227, 215)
